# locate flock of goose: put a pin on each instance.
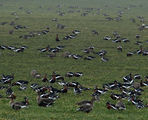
(130, 89)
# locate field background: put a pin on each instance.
(95, 72)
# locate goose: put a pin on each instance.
(112, 86)
(18, 105)
(22, 87)
(60, 47)
(143, 83)
(34, 86)
(129, 54)
(104, 59)
(138, 90)
(140, 51)
(8, 77)
(44, 79)
(69, 74)
(53, 89)
(126, 86)
(137, 76)
(127, 78)
(137, 36)
(119, 48)
(9, 91)
(116, 40)
(44, 49)
(51, 94)
(110, 106)
(100, 91)
(89, 58)
(18, 50)
(107, 38)
(44, 102)
(20, 82)
(77, 89)
(138, 103)
(75, 31)
(145, 53)
(75, 56)
(102, 52)
(125, 40)
(37, 76)
(86, 102)
(73, 84)
(95, 32)
(11, 47)
(138, 43)
(86, 106)
(65, 89)
(57, 38)
(3, 47)
(78, 74)
(62, 83)
(88, 50)
(120, 105)
(41, 89)
(116, 96)
(126, 91)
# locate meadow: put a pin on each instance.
(37, 15)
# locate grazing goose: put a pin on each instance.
(104, 59)
(20, 83)
(120, 105)
(102, 52)
(107, 38)
(145, 53)
(125, 40)
(89, 58)
(116, 96)
(69, 74)
(56, 77)
(137, 76)
(44, 102)
(7, 79)
(86, 106)
(75, 56)
(88, 102)
(111, 106)
(78, 74)
(44, 49)
(75, 31)
(129, 54)
(112, 86)
(144, 83)
(18, 105)
(3, 47)
(34, 86)
(100, 91)
(137, 36)
(77, 89)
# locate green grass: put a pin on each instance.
(95, 72)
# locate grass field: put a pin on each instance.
(95, 71)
